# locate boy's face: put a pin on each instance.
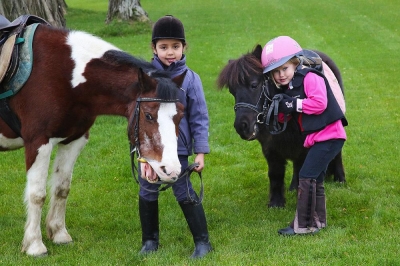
(169, 50)
(284, 74)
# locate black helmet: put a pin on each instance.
(168, 27)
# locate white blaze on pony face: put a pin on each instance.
(84, 48)
(169, 168)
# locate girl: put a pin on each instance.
(168, 45)
(307, 97)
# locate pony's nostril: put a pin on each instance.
(241, 126)
(163, 169)
(244, 126)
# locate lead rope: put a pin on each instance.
(164, 186)
(274, 108)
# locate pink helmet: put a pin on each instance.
(278, 51)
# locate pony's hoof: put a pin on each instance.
(36, 249)
(61, 238)
(64, 243)
(276, 205)
(42, 255)
(148, 247)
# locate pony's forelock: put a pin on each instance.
(166, 89)
(237, 71)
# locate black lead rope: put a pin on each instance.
(164, 185)
(188, 171)
(274, 109)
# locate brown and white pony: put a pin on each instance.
(76, 77)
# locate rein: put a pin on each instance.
(135, 151)
(274, 106)
(164, 185)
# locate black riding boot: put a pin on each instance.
(148, 212)
(305, 212)
(197, 222)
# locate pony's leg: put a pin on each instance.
(35, 195)
(60, 186)
(296, 169)
(336, 167)
(276, 174)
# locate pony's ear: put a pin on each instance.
(257, 51)
(179, 79)
(145, 80)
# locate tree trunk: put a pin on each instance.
(51, 10)
(126, 10)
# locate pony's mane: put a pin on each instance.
(166, 88)
(237, 71)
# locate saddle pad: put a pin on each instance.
(25, 62)
(333, 82)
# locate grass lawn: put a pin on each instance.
(363, 215)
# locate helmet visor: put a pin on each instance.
(277, 63)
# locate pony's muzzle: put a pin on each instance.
(167, 172)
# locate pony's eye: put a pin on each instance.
(148, 116)
(254, 85)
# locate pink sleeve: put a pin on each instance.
(315, 90)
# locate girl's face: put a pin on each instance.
(169, 50)
(284, 74)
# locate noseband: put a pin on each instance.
(135, 151)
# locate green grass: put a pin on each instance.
(363, 214)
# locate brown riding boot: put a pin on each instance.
(320, 207)
(306, 201)
(306, 217)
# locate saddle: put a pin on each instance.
(10, 38)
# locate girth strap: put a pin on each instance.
(9, 117)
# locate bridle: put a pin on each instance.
(135, 152)
(268, 108)
(260, 110)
